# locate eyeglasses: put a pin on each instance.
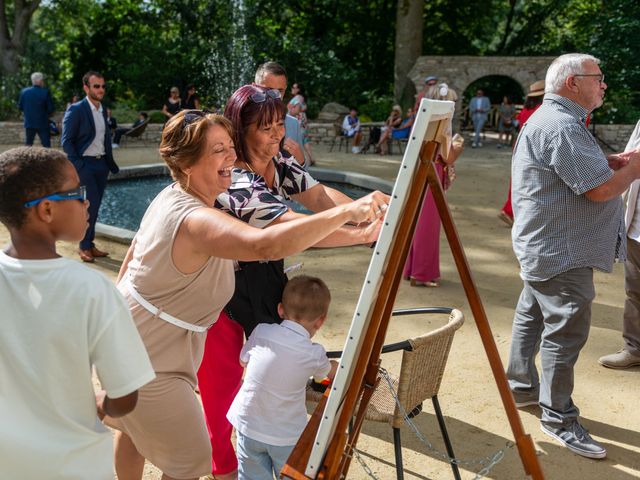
(600, 76)
(79, 193)
(191, 116)
(103, 86)
(260, 97)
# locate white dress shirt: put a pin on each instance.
(270, 406)
(96, 148)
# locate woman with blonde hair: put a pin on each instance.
(178, 275)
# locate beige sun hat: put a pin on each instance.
(536, 89)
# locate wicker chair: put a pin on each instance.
(423, 362)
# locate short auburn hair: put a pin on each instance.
(183, 142)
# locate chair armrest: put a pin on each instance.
(404, 345)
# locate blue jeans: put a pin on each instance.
(479, 119)
(259, 460)
(552, 317)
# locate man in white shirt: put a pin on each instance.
(351, 128)
(629, 355)
(86, 140)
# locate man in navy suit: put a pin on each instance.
(86, 140)
(36, 104)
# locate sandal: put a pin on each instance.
(429, 283)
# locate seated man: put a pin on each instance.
(351, 129)
(142, 118)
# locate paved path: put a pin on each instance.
(469, 398)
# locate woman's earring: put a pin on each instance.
(188, 180)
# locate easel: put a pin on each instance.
(364, 379)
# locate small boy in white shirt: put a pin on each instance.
(269, 412)
(58, 319)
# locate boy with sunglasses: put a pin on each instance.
(59, 319)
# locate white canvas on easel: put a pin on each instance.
(433, 122)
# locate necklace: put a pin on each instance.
(249, 167)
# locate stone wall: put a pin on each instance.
(614, 136)
(12, 133)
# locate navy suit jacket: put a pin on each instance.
(37, 105)
(78, 131)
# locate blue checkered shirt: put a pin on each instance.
(557, 228)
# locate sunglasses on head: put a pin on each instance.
(260, 97)
(79, 193)
(191, 116)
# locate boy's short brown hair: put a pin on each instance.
(306, 298)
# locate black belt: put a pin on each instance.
(97, 157)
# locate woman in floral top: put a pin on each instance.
(263, 180)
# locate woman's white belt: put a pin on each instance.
(160, 314)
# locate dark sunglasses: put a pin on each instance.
(79, 193)
(191, 116)
(260, 97)
(103, 86)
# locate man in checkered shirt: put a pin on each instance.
(568, 221)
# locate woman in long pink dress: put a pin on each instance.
(423, 262)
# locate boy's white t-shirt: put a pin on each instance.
(59, 317)
(270, 406)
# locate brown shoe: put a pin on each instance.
(86, 256)
(98, 253)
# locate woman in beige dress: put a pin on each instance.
(178, 275)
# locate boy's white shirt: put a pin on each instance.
(270, 406)
(59, 318)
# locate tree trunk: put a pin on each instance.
(409, 25)
(13, 41)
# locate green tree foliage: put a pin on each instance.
(340, 51)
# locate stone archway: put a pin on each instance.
(460, 71)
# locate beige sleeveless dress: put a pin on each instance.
(167, 425)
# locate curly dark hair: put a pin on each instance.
(27, 173)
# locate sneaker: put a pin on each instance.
(621, 359)
(479, 144)
(499, 145)
(577, 439)
(474, 145)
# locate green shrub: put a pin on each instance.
(156, 116)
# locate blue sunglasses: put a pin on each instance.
(79, 193)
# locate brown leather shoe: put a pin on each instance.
(86, 256)
(98, 253)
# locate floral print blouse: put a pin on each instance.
(250, 199)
